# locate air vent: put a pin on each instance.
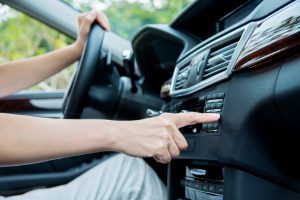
(219, 60)
(181, 77)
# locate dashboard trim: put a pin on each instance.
(272, 36)
(245, 33)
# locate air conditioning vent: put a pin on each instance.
(181, 77)
(219, 60)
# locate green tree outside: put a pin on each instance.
(24, 37)
(128, 16)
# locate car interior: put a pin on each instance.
(239, 58)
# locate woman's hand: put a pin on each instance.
(157, 137)
(85, 21)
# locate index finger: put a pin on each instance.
(189, 118)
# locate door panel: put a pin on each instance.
(41, 104)
(19, 179)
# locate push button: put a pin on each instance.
(198, 186)
(212, 188)
(213, 111)
(204, 126)
(219, 105)
(208, 106)
(205, 187)
(214, 101)
(210, 96)
(215, 96)
(215, 125)
(221, 95)
(219, 189)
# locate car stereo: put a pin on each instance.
(211, 103)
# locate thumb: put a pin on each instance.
(189, 118)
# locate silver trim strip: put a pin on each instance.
(245, 33)
(214, 101)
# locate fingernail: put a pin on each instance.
(215, 115)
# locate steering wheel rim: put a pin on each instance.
(74, 98)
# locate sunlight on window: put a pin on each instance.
(24, 37)
(127, 17)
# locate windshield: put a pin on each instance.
(128, 16)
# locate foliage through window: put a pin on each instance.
(23, 37)
(128, 16)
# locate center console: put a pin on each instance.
(196, 173)
(250, 75)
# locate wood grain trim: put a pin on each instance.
(16, 105)
(272, 37)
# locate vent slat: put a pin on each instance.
(214, 72)
(224, 49)
(185, 66)
(219, 60)
(215, 60)
(183, 70)
(180, 82)
(216, 67)
(179, 87)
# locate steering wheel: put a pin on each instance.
(74, 98)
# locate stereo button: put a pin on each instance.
(215, 96)
(208, 106)
(221, 95)
(210, 96)
(214, 101)
(212, 188)
(219, 189)
(213, 111)
(215, 125)
(205, 187)
(219, 105)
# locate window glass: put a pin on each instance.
(24, 37)
(128, 16)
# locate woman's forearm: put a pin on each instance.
(21, 74)
(30, 139)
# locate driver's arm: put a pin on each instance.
(30, 139)
(18, 75)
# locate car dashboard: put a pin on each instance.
(244, 65)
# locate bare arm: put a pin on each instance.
(17, 75)
(30, 139)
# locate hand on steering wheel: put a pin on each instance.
(89, 42)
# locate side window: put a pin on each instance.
(23, 37)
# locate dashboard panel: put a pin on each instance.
(249, 73)
(157, 48)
